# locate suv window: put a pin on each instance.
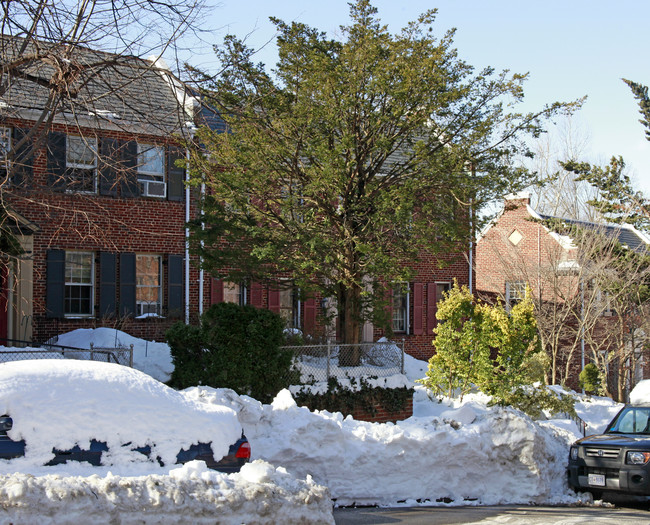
(631, 420)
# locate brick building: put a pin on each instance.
(517, 250)
(95, 198)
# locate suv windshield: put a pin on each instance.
(631, 420)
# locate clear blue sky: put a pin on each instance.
(571, 48)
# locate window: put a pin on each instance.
(289, 306)
(234, 293)
(401, 308)
(79, 279)
(5, 142)
(5, 146)
(148, 294)
(151, 170)
(81, 164)
(515, 237)
(441, 290)
(515, 293)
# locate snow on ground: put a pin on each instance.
(447, 453)
(150, 357)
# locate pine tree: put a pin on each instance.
(352, 158)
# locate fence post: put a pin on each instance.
(131, 356)
(402, 367)
(328, 360)
(92, 358)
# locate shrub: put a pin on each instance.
(590, 379)
(234, 347)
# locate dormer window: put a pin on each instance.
(151, 170)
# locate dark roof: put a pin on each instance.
(626, 236)
(104, 87)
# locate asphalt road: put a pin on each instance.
(637, 514)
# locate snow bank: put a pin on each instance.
(471, 455)
(641, 392)
(150, 357)
(259, 494)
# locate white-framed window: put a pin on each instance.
(151, 170)
(400, 321)
(148, 288)
(515, 293)
(5, 142)
(5, 147)
(79, 284)
(81, 164)
(234, 293)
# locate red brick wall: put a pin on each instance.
(93, 222)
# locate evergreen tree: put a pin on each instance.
(353, 157)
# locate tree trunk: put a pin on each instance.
(350, 325)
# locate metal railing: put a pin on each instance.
(122, 356)
(324, 361)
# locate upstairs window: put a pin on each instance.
(5, 146)
(81, 164)
(148, 294)
(151, 170)
(79, 279)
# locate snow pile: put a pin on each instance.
(449, 452)
(151, 358)
(259, 494)
(470, 455)
(640, 393)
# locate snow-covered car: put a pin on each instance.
(56, 411)
(616, 460)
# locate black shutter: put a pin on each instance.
(109, 164)
(175, 174)
(129, 186)
(56, 160)
(175, 285)
(55, 286)
(127, 284)
(22, 167)
(107, 284)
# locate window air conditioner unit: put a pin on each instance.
(152, 188)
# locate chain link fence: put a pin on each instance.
(121, 356)
(319, 363)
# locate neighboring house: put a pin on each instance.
(97, 200)
(517, 250)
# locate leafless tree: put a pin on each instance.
(92, 66)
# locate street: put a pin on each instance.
(632, 514)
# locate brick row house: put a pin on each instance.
(518, 250)
(96, 199)
(99, 205)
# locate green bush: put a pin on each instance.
(590, 379)
(235, 347)
(341, 399)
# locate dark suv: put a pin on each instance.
(617, 460)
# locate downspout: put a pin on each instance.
(201, 273)
(471, 240)
(187, 240)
